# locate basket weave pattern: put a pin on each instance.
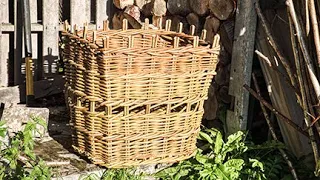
(136, 96)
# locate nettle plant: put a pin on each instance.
(17, 158)
(217, 160)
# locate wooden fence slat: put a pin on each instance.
(3, 72)
(78, 12)
(50, 49)
(101, 12)
(17, 42)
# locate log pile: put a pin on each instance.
(215, 16)
(207, 14)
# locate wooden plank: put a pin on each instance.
(7, 27)
(282, 96)
(101, 13)
(34, 11)
(241, 65)
(17, 42)
(79, 12)
(3, 67)
(50, 49)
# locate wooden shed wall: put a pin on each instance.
(46, 18)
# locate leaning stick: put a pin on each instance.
(283, 153)
(303, 47)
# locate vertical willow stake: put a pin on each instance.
(283, 153)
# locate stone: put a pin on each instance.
(9, 96)
(17, 116)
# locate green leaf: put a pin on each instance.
(256, 163)
(205, 136)
(201, 158)
(236, 164)
(218, 144)
(205, 173)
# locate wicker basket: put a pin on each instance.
(136, 96)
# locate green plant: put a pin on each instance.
(217, 160)
(18, 159)
(112, 174)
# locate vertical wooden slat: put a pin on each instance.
(3, 66)
(241, 66)
(101, 13)
(33, 11)
(79, 12)
(17, 42)
(50, 35)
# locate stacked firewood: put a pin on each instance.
(215, 16)
(203, 14)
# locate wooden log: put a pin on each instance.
(178, 7)
(193, 19)
(200, 7)
(159, 8)
(222, 9)
(121, 4)
(117, 20)
(212, 25)
(146, 9)
(132, 14)
(226, 33)
(175, 20)
(142, 3)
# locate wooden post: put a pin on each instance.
(241, 66)
(50, 49)
(101, 13)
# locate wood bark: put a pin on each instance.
(178, 7)
(226, 33)
(146, 10)
(175, 20)
(117, 20)
(212, 25)
(200, 7)
(193, 19)
(222, 9)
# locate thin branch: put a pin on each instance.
(283, 153)
(274, 66)
(276, 112)
(315, 28)
(274, 44)
(307, 18)
(263, 57)
(303, 47)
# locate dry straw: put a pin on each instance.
(136, 95)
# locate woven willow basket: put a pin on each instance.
(136, 96)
